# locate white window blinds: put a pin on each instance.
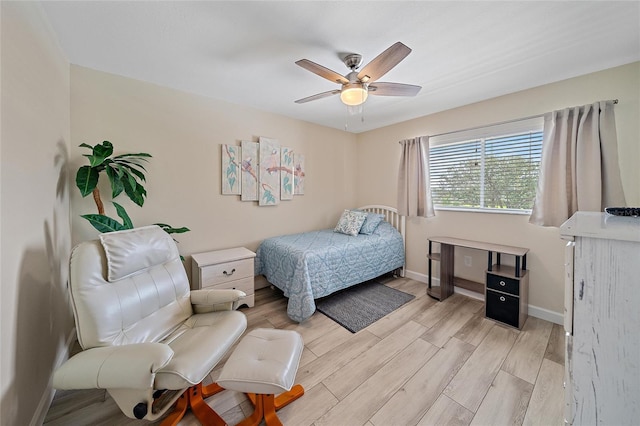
(496, 171)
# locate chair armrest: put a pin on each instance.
(210, 299)
(126, 367)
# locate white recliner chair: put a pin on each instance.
(147, 338)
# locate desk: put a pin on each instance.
(503, 284)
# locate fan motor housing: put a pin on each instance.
(353, 61)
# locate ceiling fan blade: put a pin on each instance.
(393, 89)
(322, 71)
(318, 96)
(382, 63)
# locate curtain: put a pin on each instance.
(414, 191)
(579, 168)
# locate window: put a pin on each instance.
(497, 170)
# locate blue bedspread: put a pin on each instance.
(314, 264)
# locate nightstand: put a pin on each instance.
(230, 268)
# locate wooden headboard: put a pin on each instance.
(390, 215)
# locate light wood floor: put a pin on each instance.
(427, 363)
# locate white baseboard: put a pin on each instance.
(534, 311)
(49, 393)
(545, 314)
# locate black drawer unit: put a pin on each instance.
(503, 284)
(502, 307)
(506, 298)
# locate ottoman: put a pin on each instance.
(263, 365)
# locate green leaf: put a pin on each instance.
(103, 223)
(135, 194)
(84, 145)
(103, 149)
(114, 176)
(87, 179)
(132, 180)
(130, 164)
(171, 230)
(140, 154)
(100, 153)
(135, 171)
(122, 213)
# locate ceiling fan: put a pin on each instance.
(357, 85)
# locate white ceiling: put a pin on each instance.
(244, 52)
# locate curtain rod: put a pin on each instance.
(615, 101)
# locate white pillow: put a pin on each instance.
(133, 250)
(350, 222)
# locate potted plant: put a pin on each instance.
(126, 173)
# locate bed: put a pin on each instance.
(314, 264)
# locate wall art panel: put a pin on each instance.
(249, 171)
(269, 177)
(286, 174)
(231, 182)
(299, 174)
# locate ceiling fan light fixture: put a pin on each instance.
(353, 94)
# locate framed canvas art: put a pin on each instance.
(269, 177)
(231, 181)
(299, 174)
(249, 171)
(286, 174)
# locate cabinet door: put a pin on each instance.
(568, 328)
(605, 371)
(569, 251)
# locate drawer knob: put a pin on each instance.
(502, 283)
(227, 274)
(502, 299)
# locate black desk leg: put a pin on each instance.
(429, 263)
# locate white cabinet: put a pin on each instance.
(230, 268)
(602, 319)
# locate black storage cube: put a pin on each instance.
(502, 307)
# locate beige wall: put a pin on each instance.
(184, 132)
(35, 235)
(379, 155)
(45, 106)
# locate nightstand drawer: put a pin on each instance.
(503, 284)
(225, 272)
(244, 284)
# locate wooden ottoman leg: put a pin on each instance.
(287, 398)
(258, 412)
(267, 405)
(270, 416)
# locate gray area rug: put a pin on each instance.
(359, 306)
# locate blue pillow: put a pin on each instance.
(371, 223)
